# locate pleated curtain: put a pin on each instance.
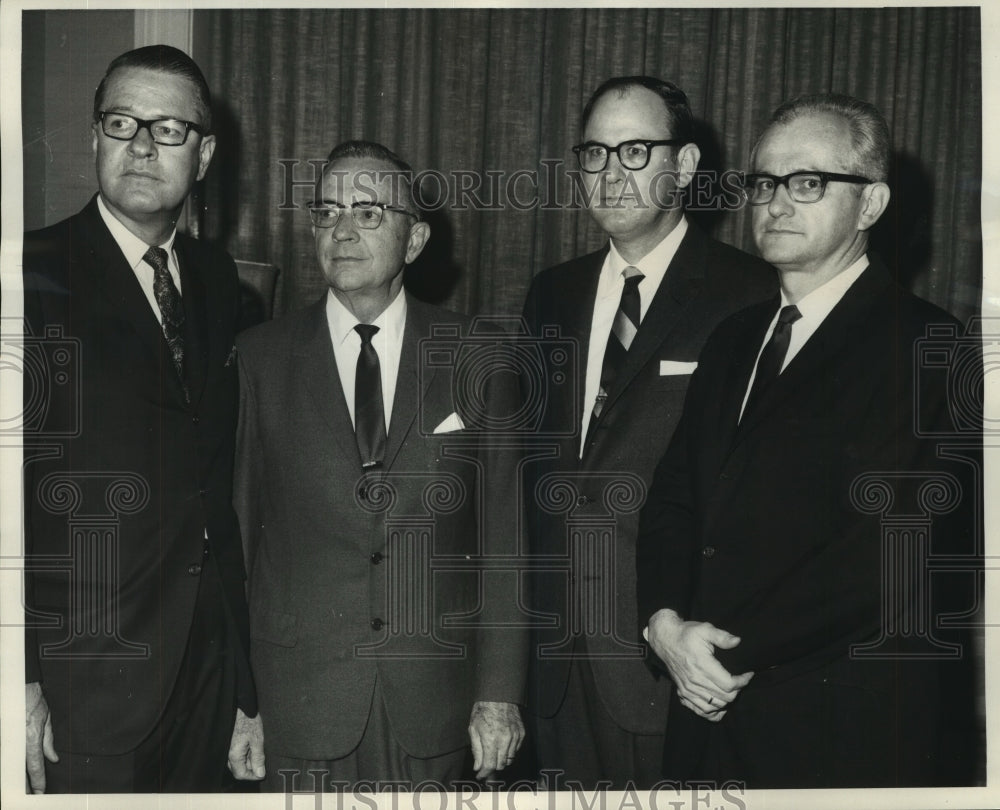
(466, 92)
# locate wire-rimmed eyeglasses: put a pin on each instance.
(366, 215)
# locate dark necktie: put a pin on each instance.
(620, 339)
(168, 299)
(369, 412)
(773, 357)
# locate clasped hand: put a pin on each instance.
(688, 649)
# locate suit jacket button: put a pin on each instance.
(377, 624)
(194, 570)
(708, 551)
(376, 558)
(583, 500)
(195, 419)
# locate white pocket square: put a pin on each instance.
(669, 368)
(451, 423)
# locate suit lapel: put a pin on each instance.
(116, 282)
(196, 340)
(841, 325)
(740, 369)
(318, 365)
(679, 286)
(579, 300)
(411, 384)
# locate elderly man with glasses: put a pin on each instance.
(361, 486)
(638, 310)
(786, 546)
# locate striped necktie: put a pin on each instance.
(622, 334)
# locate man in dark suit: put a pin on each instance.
(784, 546)
(136, 647)
(362, 493)
(637, 312)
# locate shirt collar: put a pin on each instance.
(390, 321)
(131, 245)
(818, 304)
(654, 264)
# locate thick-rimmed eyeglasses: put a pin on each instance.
(803, 187)
(633, 155)
(366, 215)
(164, 131)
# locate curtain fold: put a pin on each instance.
(478, 95)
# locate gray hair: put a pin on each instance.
(870, 142)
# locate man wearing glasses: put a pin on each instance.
(784, 588)
(136, 645)
(357, 472)
(639, 311)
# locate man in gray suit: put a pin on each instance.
(356, 475)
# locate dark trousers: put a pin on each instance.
(378, 759)
(187, 751)
(583, 744)
(852, 723)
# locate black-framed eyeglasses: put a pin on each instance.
(366, 215)
(164, 131)
(634, 155)
(803, 187)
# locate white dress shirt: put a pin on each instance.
(813, 308)
(134, 249)
(653, 267)
(388, 343)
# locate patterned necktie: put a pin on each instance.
(772, 358)
(168, 299)
(369, 412)
(620, 339)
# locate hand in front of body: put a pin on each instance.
(688, 649)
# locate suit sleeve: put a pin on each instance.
(502, 639)
(246, 474)
(666, 540)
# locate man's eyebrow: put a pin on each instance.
(327, 201)
(128, 109)
(785, 174)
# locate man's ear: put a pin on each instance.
(874, 201)
(687, 163)
(205, 151)
(420, 232)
